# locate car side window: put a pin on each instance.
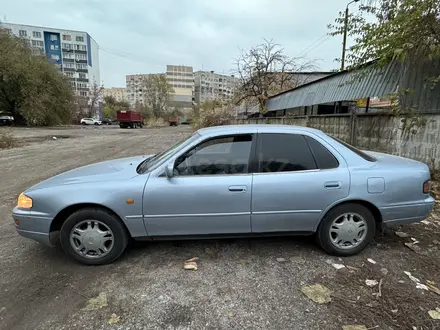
(324, 158)
(220, 155)
(279, 152)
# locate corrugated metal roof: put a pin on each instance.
(367, 82)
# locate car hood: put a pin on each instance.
(118, 169)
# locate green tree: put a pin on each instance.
(31, 89)
(111, 105)
(386, 30)
(157, 94)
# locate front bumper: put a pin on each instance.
(34, 226)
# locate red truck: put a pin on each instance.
(128, 118)
(173, 121)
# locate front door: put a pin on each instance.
(210, 192)
(296, 181)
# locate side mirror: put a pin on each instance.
(169, 170)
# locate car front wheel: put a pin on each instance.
(93, 236)
(346, 229)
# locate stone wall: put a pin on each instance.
(378, 132)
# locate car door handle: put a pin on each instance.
(238, 188)
(332, 185)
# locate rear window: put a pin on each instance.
(355, 150)
(324, 158)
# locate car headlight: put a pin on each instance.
(24, 202)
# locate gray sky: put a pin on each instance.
(142, 36)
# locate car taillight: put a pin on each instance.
(427, 187)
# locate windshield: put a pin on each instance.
(355, 150)
(150, 163)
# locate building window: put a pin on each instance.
(37, 43)
(67, 46)
(54, 47)
(83, 93)
(36, 34)
(70, 74)
(83, 75)
(79, 38)
(69, 65)
(22, 33)
(81, 66)
(80, 47)
(53, 37)
(67, 37)
(68, 55)
(55, 57)
(81, 57)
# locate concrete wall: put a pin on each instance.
(378, 132)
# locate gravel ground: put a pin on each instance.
(240, 283)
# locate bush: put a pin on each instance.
(156, 122)
(6, 139)
(212, 113)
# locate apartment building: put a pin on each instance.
(75, 53)
(134, 84)
(209, 85)
(181, 77)
(117, 93)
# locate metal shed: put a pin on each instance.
(369, 81)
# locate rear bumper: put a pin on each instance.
(35, 227)
(407, 213)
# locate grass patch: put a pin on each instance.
(6, 139)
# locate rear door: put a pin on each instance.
(297, 178)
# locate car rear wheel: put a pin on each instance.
(93, 236)
(346, 230)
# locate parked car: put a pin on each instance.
(90, 121)
(6, 120)
(107, 121)
(242, 180)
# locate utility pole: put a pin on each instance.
(344, 42)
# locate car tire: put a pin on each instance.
(106, 221)
(362, 225)
(83, 123)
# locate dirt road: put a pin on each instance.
(240, 283)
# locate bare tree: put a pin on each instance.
(265, 70)
(95, 95)
(157, 93)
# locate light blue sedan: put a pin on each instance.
(247, 180)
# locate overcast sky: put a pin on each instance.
(142, 36)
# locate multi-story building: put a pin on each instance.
(181, 77)
(134, 84)
(75, 53)
(116, 92)
(213, 86)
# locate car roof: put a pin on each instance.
(256, 128)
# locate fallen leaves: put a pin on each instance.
(96, 303)
(190, 264)
(371, 283)
(338, 266)
(435, 314)
(114, 319)
(354, 327)
(317, 293)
